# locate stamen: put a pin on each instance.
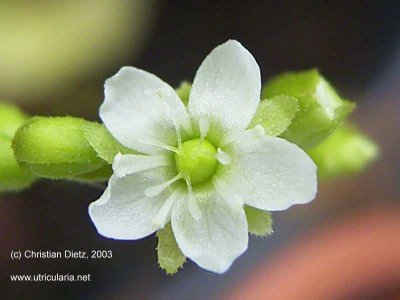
(232, 199)
(245, 136)
(131, 163)
(173, 115)
(193, 208)
(204, 126)
(157, 189)
(223, 157)
(178, 135)
(164, 214)
(147, 140)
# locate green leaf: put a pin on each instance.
(170, 257)
(321, 110)
(183, 92)
(275, 114)
(56, 147)
(103, 142)
(13, 177)
(259, 221)
(346, 151)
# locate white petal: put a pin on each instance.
(132, 163)
(124, 212)
(214, 240)
(139, 104)
(269, 173)
(226, 90)
(225, 191)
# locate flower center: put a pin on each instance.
(197, 159)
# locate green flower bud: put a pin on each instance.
(102, 174)
(345, 152)
(321, 110)
(170, 257)
(56, 147)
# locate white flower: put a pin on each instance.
(199, 165)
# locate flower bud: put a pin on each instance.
(345, 152)
(321, 110)
(56, 147)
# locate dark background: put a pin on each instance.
(355, 44)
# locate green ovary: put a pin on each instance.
(197, 160)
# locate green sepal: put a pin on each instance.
(344, 152)
(259, 221)
(321, 110)
(275, 114)
(13, 176)
(170, 257)
(103, 142)
(183, 91)
(56, 147)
